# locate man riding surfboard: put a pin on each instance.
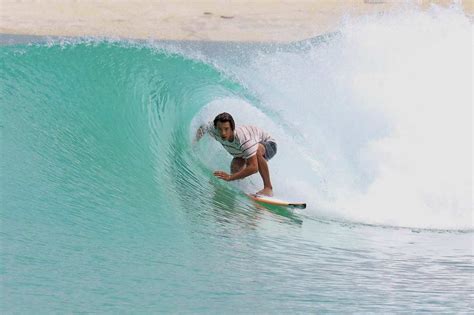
(250, 146)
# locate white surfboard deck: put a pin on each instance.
(277, 202)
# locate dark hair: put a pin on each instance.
(224, 117)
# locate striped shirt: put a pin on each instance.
(246, 140)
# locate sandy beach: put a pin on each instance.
(218, 20)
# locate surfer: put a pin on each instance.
(250, 146)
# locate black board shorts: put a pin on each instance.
(270, 149)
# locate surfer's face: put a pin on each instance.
(225, 131)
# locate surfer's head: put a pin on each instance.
(224, 124)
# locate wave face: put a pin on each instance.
(104, 189)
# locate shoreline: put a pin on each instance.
(13, 39)
(262, 21)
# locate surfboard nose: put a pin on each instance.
(277, 202)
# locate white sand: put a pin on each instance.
(218, 20)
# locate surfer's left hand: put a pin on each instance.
(222, 175)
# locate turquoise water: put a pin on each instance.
(109, 206)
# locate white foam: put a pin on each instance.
(378, 120)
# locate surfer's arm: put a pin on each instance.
(251, 167)
(202, 130)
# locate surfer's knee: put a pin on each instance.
(236, 165)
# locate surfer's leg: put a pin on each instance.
(236, 165)
(264, 172)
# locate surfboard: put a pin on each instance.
(277, 202)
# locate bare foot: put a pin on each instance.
(266, 192)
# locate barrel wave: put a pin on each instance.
(103, 122)
(109, 203)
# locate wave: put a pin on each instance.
(373, 123)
